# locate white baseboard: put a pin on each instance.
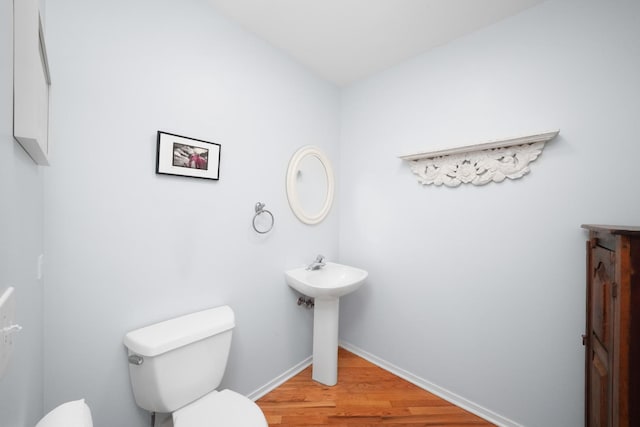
(445, 394)
(280, 379)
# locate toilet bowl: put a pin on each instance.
(223, 408)
(176, 366)
(70, 414)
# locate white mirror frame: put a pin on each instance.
(292, 191)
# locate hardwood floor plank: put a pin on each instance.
(366, 395)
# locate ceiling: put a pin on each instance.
(343, 41)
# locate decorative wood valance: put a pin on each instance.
(479, 164)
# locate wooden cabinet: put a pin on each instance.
(612, 338)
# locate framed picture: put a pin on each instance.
(183, 156)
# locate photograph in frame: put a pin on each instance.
(183, 156)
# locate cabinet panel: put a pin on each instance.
(601, 295)
(599, 330)
(612, 358)
(599, 379)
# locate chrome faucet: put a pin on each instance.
(317, 264)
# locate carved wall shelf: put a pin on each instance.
(479, 164)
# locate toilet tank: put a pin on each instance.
(175, 362)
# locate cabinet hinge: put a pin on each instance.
(614, 290)
(584, 339)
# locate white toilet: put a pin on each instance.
(70, 414)
(176, 365)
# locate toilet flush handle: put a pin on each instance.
(134, 359)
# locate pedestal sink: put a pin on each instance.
(326, 284)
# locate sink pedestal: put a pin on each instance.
(326, 284)
(325, 340)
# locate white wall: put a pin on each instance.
(20, 245)
(127, 247)
(480, 290)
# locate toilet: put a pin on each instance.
(70, 414)
(176, 366)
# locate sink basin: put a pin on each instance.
(332, 280)
(326, 285)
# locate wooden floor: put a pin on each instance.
(365, 395)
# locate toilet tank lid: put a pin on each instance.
(174, 333)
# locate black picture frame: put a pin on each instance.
(183, 156)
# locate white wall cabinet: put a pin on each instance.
(31, 82)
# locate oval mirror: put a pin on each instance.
(310, 184)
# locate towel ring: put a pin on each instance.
(259, 211)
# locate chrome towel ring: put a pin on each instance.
(259, 224)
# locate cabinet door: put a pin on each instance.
(600, 300)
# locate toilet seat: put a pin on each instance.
(75, 413)
(220, 408)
